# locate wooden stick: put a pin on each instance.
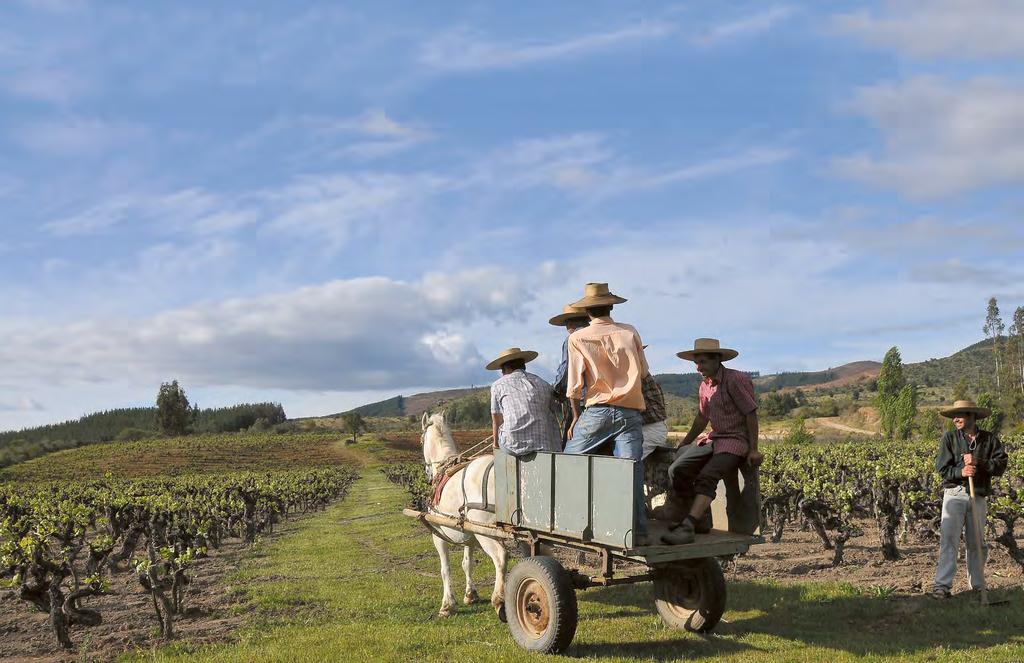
(979, 528)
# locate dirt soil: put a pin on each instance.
(799, 557)
(212, 614)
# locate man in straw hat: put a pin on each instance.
(607, 357)
(571, 318)
(522, 406)
(965, 453)
(726, 401)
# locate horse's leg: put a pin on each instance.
(448, 601)
(496, 551)
(471, 596)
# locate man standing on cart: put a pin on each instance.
(727, 402)
(966, 454)
(522, 406)
(607, 357)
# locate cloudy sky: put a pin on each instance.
(325, 203)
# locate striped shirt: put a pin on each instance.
(725, 401)
(527, 407)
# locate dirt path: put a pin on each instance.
(830, 422)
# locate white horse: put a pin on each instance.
(459, 495)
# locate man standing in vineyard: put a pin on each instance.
(965, 453)
(727, 402)
(522, 406)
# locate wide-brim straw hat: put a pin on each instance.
(569, 312)
(511, 354)
(708, 346)
(965, 407)
(597, 294)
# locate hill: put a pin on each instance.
(976, 363)
(415, 405)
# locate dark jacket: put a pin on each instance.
(989, 456)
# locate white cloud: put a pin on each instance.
(365, 333)
(23, 404)
(466, 50)
(745, 26)
(941, 137)
(958, 28)
(78, 136)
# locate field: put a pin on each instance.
(358, 581)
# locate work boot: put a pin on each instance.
(705, 523)
(673, 510)
(680, 534)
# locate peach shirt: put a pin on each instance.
(609, 358)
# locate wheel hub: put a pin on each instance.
(532, 608)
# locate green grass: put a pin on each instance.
(360, 582)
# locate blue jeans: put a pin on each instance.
(623, 426)
(600, 424)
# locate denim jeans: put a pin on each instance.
(622, 426)
(956, 513)
(600, 424)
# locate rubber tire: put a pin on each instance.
(702, 612)
(561, 605)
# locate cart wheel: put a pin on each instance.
(691, 595)
(540, 602)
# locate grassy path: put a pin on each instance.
(360, 582)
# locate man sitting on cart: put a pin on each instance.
(523, 406)
(727, 402)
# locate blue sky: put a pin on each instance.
(324, 204)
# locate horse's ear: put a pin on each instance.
(423, 420)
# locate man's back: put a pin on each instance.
(526, 404)
(608, 357)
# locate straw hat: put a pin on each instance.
(708, 346)
(568, 313)
(965, 407)
(511, 354)
(597, 294)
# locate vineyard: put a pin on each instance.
(62, 541)
(831, 488)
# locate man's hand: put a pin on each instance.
(755, 458)
(969, 470)
(572, 427)
(968, 459)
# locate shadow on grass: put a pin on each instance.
(832, 616)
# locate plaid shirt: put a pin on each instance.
(727, 409)
(654, 398)
(527, 406)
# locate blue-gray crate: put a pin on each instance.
(587, 498)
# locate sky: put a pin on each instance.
(324, 204)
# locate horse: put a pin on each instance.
(460, 495)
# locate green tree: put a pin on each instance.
(993, 328)
(960, 389)
(994, 421)
(354, 424)
(798, 433)
(890, 383)
(1017, 336)
(904, 412)
(174, 415)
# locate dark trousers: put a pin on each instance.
(697, 470)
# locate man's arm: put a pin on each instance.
(754, 457)
(700, 422)
(575, 417)
(946, 462)
(496, 421)
(996, 465)
(574, 372)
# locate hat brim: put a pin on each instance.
(562, 318)
(600, 300)
(525, 355)
(950, 412)
(725, 354)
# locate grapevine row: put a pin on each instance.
(60, 541)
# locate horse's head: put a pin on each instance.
(438, 444)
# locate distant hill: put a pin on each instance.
(974, 361)
(417, 404)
